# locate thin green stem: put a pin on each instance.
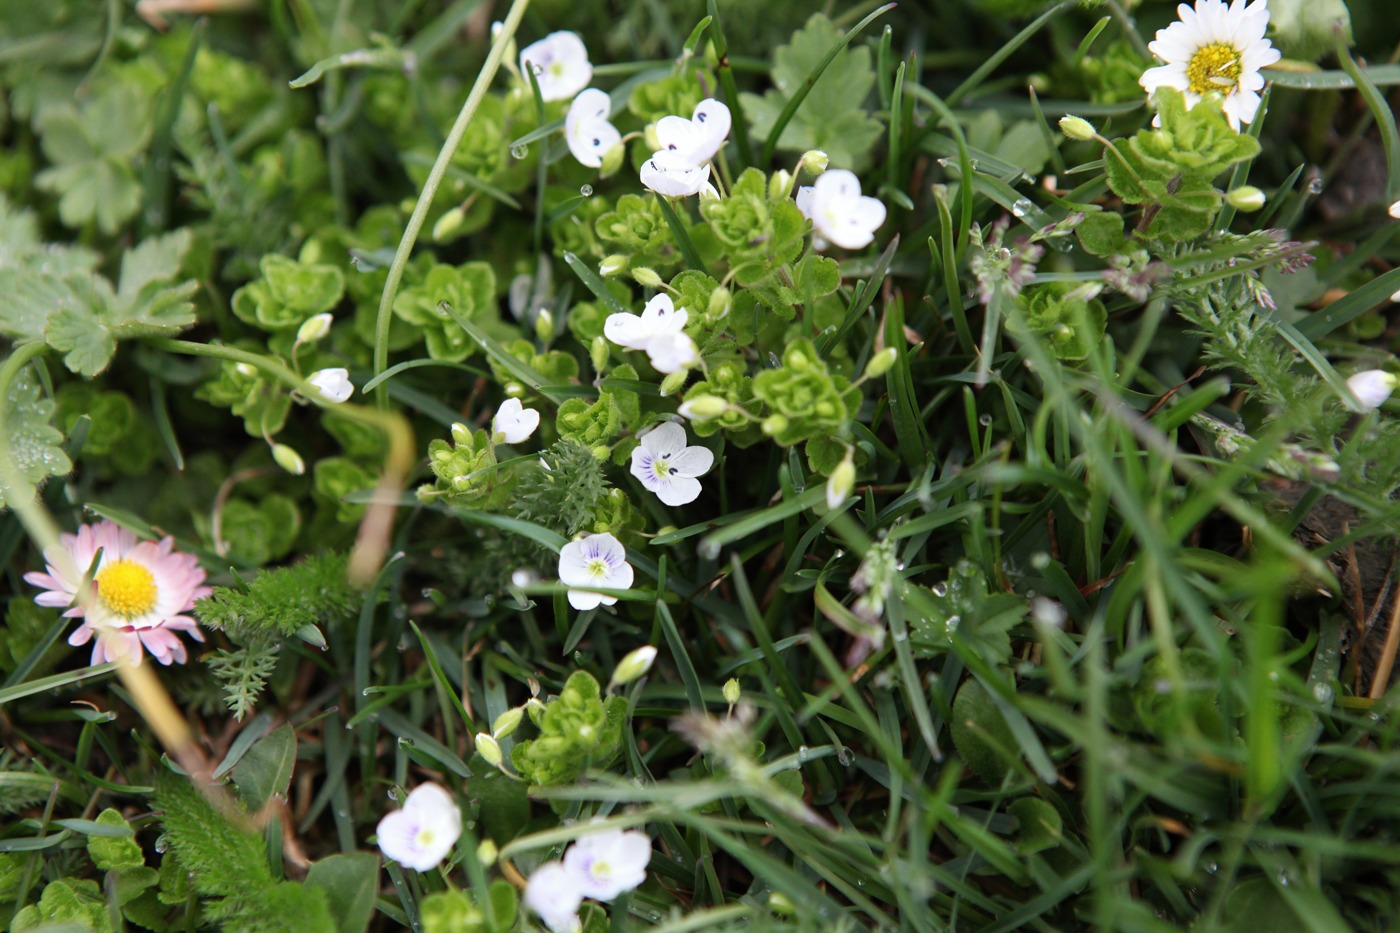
(430, 187)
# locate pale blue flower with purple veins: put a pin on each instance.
(604, 864)
(597, 560)
(669, 468)
(420, 835)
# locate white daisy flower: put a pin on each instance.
(332, 384)
(670, 173)
(553, 894)
(1215, 49)
(560, 63)
(700, 137)
(597, 560)
(669, 468)
(586, 127)
(839, 212)
(1372, 387)
(141, 592)
(660, 318)
(604, 864)
(421, 834)
(513, 423)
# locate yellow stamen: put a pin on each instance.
(1214, 68)
(126, 588)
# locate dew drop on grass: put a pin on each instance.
(1022, 206)
(985, 421)
(1315, 186)
(586, 190)
(519, 152)
(940, 589)
(1322, 692)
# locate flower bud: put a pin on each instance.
(314, 328)
(650, 138)
(814, 161)
(1372, 387)
(1077, 127)
(601, 452)
(840, 483)
(774, 424)
(703, 407)
(881, 363)
(507, 722)
(779, 184)
(488, 748)
(647, 277)
(634, 665)
(612, 160)
(509, 54)
(487, 853)
(1245, 198)
(513, 390)
(288, 459)
(673, 382)
(245, 369)
(449, 223)
(612, 265)
(720, 303)
(544, 325)
(731, 691)
(1394, 210)
(598, 352)
(461, 435)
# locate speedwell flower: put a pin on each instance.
(700, 137)
(554, 894)
(660, 318)
(839, 212)
(587, 129)
(1215, 49)
(597, 560)
(604, 864)
(672, 174)
(421, 834)
(669, 468)
(1372, 387)
(513, 423)
(671, 353)
(333, 384)
(140, 592)
(560, 63)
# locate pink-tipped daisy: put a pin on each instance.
(1215, 49)
(140, 592)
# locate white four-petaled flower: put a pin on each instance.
(595, 561)
(420, 835)
(1372, 387)
(554, 894)
(839, 212)
(669, 468)
(332, 384)
(607, 863)
(672, 174)
(513, 423)
(700, 137)
(1215, 49)
(587, 129)
(560, 63)
(659, 330)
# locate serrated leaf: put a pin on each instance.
(833, 118)
(30, 434)
(156, 259)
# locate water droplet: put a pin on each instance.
(1284, 879)
(1022, 206)
(160, 845)
(1212, 868)
(940, 589)
(586, 190)
(1315, 186)
(985, 421)
(519, 152)
(803, 752)
(1322, 692)
(952, 624)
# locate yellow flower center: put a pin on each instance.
(425, 837)
(126, 588)
(661, 466)
(1214, 68)
(597, 568)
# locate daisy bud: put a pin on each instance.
(1372, 388)
(544, 325)
(288, 459)
(507, 722)
(780, 184)
(647, 278)
(612, 265)
(731, 691)
(598, 354)
(314, 328)
(487, 853)
(841, 482)
(881, 363)
(461, 435)
(449, 223)
(1077, 127)
(703, 407)
(673, 382)
(489, 749)
(634, 665)
(1245, 198)
(612, 160)
(814, 161)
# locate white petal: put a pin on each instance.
(333, 384)
(554, 894)
(672, 175)
(805, 194)
(693, 461)
(627, 330)
(670, 353)
(584, 600)
(679, 491)
(666, 438)
(590, 141)
(560, 63)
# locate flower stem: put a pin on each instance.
(430, 187)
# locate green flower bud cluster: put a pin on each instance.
(470, 289)
(578, 730)
(288, 292)
(759, 233)
(1071, 320)
(636, 228)
(465, 471)
(245, 391)
(804, 398)
(615, 412)
(728, 382)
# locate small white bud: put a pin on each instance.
(1372, 387)
(314, 328)
(612, 265)
(841, 482)
(245, 369)
(1077, 127)
(647, 277)
(881, 363)
(461, 435)
(779, 184)
(487, 853)
(489, 749)
(288, 459)
(1245, 198)
(634, 665)
(598, 353)
(544, 325)
(507, 722)
(731, 691)
(449, 223)
(814, 161)
(673, 382)
(703, 407)
(1394, 210)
